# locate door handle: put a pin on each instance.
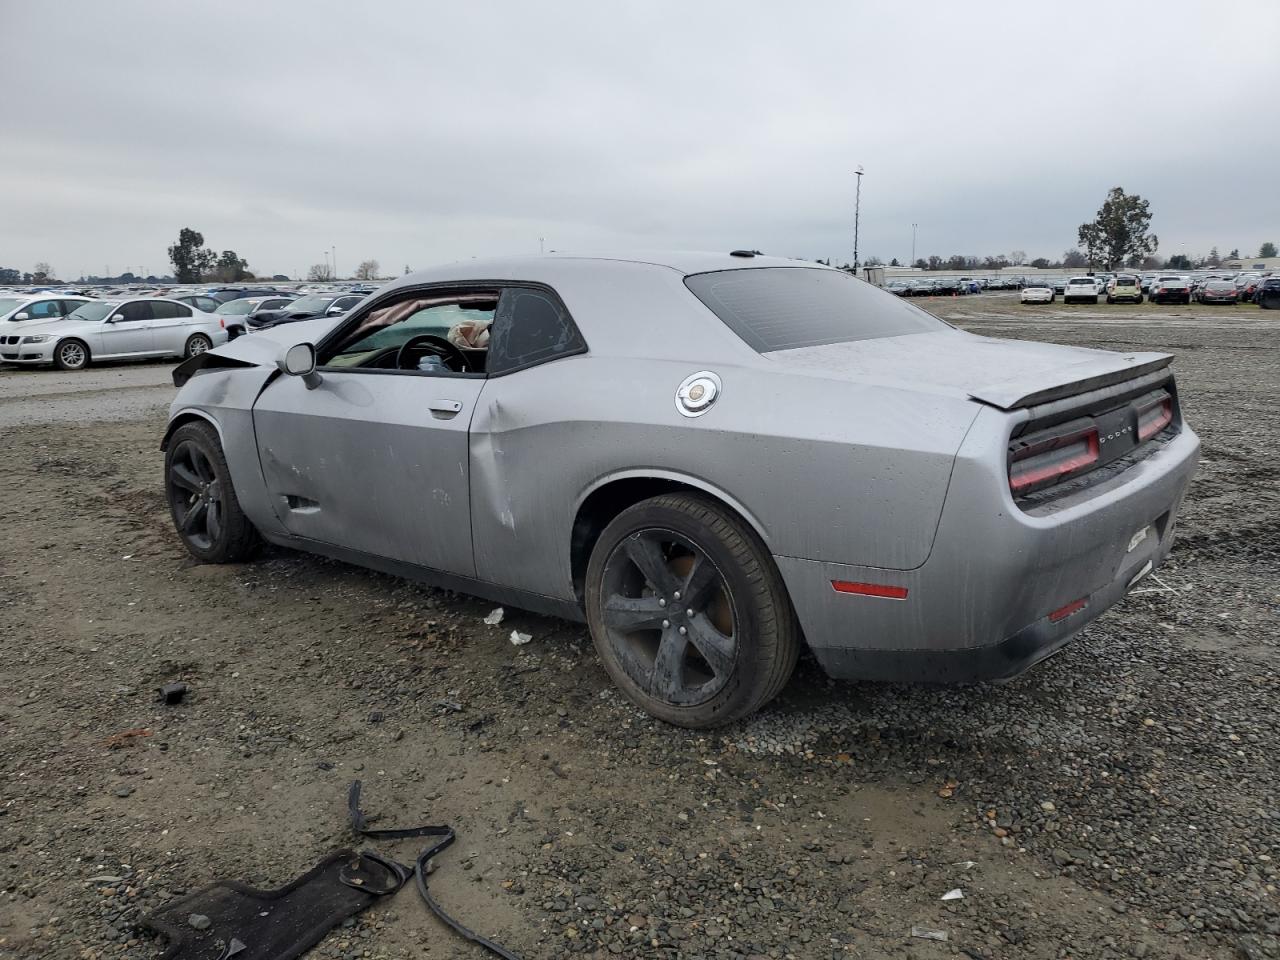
(444, 409)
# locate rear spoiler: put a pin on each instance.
(1075, 378)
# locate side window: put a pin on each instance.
(530, 327)
(273, 304)
(207, 304)
(44, 310)
(389, 328)
(164, 310)
(138, 310)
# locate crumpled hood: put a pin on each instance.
(262, 348)
(1002, 373)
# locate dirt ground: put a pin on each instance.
(1119, 800)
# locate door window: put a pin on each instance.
(131, 312)
(375, 341)
(531, 326)
(166, 310)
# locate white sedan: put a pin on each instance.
(120, 329)
(1038, 291)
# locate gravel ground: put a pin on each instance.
(1120, 800)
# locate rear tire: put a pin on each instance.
(197, 344)
(732, 654)
(71, 355)
(202, 501)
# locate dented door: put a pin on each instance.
(374, 462)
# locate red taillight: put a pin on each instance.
(1037, 461)
(222, 323)
(1154, 417)
(869, 589)
(1075, 606)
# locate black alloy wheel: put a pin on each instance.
(688, 612)
(202, 501)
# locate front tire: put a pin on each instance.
(688, 613)
(71, 355)
(202, 500)
(197, 344)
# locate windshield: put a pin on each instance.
(310, 304)
(236, 308)
(8, 303)
(94, 311)
(784, 308)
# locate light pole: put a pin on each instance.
(857, 212)
(335, 262)
(913, 243)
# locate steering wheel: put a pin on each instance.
(429, 343)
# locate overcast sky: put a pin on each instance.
(416, 132)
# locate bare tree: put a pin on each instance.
(1018, 257)
(41, 273)
(320, 271)
(368, 270)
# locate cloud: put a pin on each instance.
(416, 133)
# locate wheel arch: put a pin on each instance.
(609, 495)
(186, 416)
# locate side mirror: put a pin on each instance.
(22, 316)
(300, 361)
(114, 318)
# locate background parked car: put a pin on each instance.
(1124, 288)
(235, 313)
(1038, 291)
(132, 328)
(43, 306)
(1248, 288)
(1170, 289)
(198, 300)
(1267, 296)
(1217, 291)
(304, 308)
(1080, 289)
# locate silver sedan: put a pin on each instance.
(120, 329)
(713, 460)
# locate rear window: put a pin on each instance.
(784, 308)
(1126, 282)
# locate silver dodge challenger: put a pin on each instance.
(712, 459)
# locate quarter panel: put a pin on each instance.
(829, 470)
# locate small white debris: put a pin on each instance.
(965, 864)
(519, 639)
(495, 618)
(956, 894)
(928, 933)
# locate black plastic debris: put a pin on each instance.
(251, 924)
(241, 922)
(172, 693)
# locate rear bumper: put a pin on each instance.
(980, 607)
